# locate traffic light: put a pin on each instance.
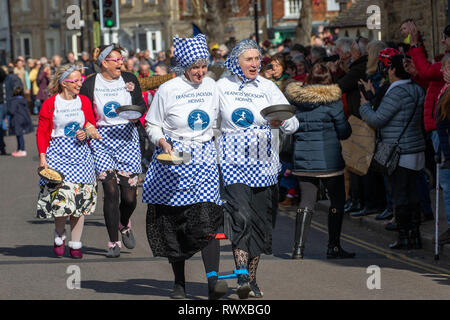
(109, 14)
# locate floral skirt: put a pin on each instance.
(66, 199)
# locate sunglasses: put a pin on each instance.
(115, 59)
(74, 80)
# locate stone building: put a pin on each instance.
(431, 18)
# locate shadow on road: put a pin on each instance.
(30, 251)
(147, 287)
(86, 223)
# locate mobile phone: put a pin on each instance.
(364, 92)
(269, 66)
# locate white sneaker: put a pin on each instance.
(20, 153)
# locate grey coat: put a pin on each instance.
(323, 123)
(393, 114)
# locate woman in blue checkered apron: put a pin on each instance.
(184, 205)
(66, 121)
(249, 163)
(117, 155)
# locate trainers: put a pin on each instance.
(59, 245)
(20, 153)
(113, 249)
(75, 250)
(128, 238)
(243, 287)
(255, 290)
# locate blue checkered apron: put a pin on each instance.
(118, 149)
(184, 184)
(71, 157)
(248, 156)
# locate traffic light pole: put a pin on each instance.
(255, 6)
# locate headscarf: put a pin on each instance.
(69, 71)
(102, 56)
(188, 51)
(232, 62)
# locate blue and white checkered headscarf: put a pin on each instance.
(188, 50)
(232, 63)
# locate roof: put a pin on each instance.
(354, 16)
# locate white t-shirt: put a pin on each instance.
(108, 96)
(240, 109)
(68, 117)
(183, 111)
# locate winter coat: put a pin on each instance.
(20, 122)
(323, 123)
(393, 114)
(43, 82)
(348, 84)
(431, 79)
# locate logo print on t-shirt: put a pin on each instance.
(242, 117)
(198, 120)
(71, 129)
(110, 109)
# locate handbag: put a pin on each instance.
(387, 155)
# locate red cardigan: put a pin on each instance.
(45, 123)
(431, 79)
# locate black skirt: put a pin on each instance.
(180, 232)
(249, 217)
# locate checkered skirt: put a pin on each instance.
(118, 149)
(184, 184)
(249, 156)
(73, 158)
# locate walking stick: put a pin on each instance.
(436, 247)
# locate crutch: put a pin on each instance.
(436, 246)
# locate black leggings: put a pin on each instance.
(117, 209)
(334, 185)
(211, 259)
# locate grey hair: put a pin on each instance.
(345, 44)
(318, 52)
(179, 70)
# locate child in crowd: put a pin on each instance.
(20, 122)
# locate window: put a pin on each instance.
(127, 3)
(25, 5)
(54, 4)
(332, 5)
(23, 45)
(292, 9)
(151, 2)
(235, 6)
(187, 10)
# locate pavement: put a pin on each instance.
(368, 222)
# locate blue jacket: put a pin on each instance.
(393, 114)
(20, 122)
(323, 124)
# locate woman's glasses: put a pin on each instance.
(115, 59)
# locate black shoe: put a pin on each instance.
(391, 226)
(356, 206)
(298, 253)
(337, 252)
(178, 292)
(4, 153)
(217, 289)
(403, 242)
(445, 164)
(385, 215)
(348, 203)
(364, 212)
(243, 287)
(256, 291)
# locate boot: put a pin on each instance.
(334, 251)
(403, 218)
(415, 238)
(302, 224)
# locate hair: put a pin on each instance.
(318, 52)
(319, 74)
(405, 21)
(345, 44)
(373, 51)
(54, 87)
(361, 45)
(279, 57)
(17, 91)
(397, 64)
(96, 52)
(163, 66)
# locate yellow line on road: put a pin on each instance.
(399, 257)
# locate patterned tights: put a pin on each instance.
(241, 259)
